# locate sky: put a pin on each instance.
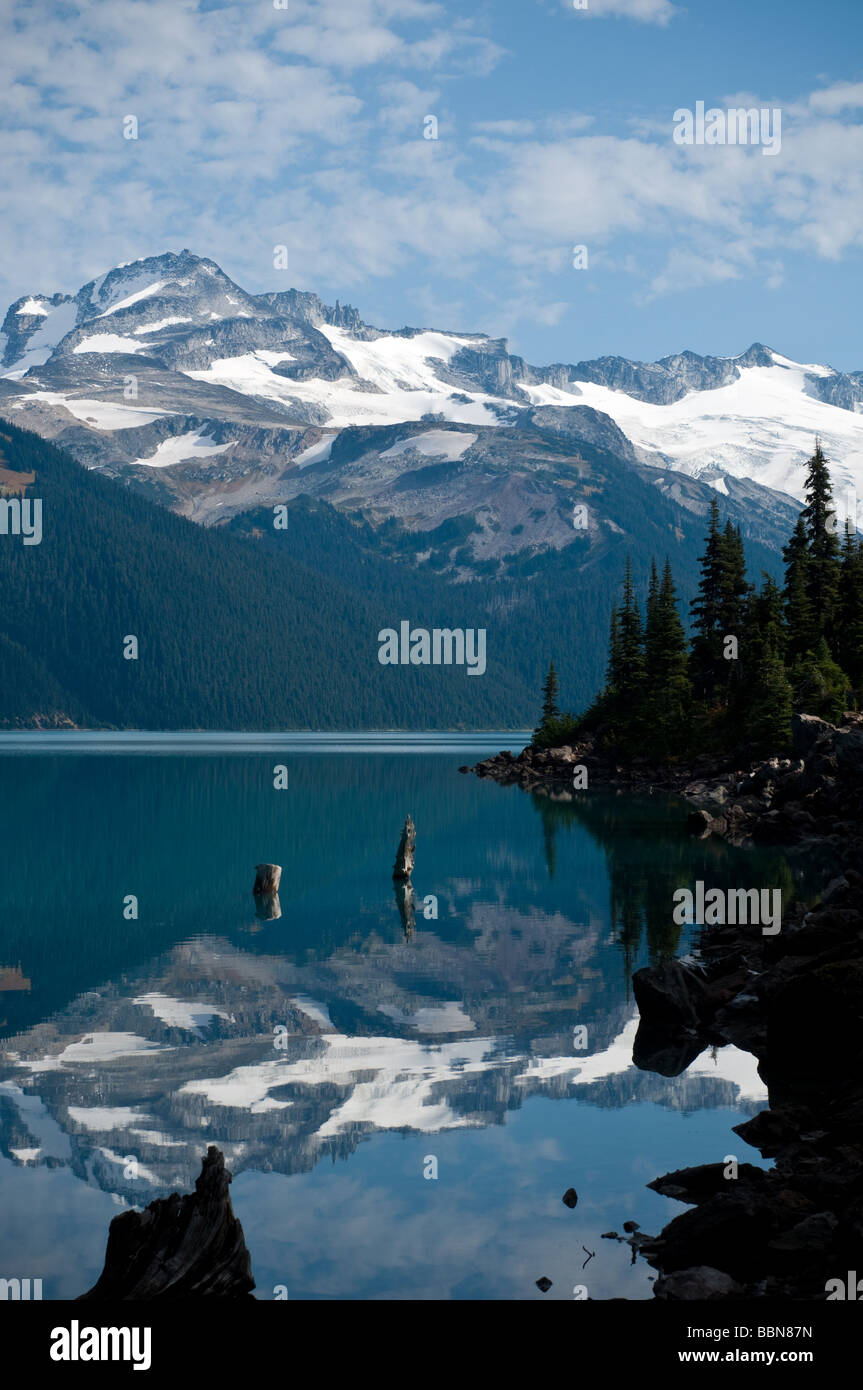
(303, 124)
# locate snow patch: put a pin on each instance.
(32, 306)
(448, 444)
(161, 323)
(315, 453)
(58, 322)
(192, 445)
(107, 342)
(134, 298)
(178, 1013)
(95, 1048)
(104, 415)
(102, 1119)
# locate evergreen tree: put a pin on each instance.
(733, 588)
(820, 686)
(823, 566)
(550, 708)
(707, 663)
(849, 637)
(667, 687)
(766, 724)
(620, 706)
(798, 608)
(549, 731)
(631, 675)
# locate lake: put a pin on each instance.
(402, 1104)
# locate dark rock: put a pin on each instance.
(669, 996)
(697, 1283)
(695, 1185)
(728, 1231)
(815, 1031)
(806, 730)
(699, 822)
(179, 1247)
(813, 1235)
(570, 1197)
(543, 1284)
(654, 1051)
(849, 750)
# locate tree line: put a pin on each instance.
(755, 654)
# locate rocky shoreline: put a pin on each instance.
(794, 1000)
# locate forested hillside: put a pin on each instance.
(248, 627)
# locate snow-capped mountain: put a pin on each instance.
(165, 372)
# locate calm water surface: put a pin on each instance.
(337, 1049)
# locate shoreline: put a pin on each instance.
(794, 1000)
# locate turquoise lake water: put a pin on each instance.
(338, 1052)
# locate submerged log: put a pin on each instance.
(179, 1247)
(405, 854)
(267, 879)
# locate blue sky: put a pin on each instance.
(303, 126)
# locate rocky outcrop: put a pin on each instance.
(179, 1247)
(816, 794)
(796, 1001)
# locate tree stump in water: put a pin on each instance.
(405, 854)
(179, 1247)
(267, 879)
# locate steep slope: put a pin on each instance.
(229, 636)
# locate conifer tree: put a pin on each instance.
(621, 701)
(707, 663)
(798, 608)
(766, 725)
(849, 638)
(631, 677)
(550, 689)
(823, 566)
(667, 687)
(550, 709)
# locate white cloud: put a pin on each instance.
(647, 11)
(261, 127)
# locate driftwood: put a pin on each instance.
(405, 854)
(179, 1247)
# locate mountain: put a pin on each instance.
(428, 477)
(166, 374)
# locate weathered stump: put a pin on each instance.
(405, 854)
(267, 879)
(179, 1247)
(267, 907)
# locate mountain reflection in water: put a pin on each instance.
(330, 1033)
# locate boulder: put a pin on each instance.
(806, 730)
(848, 745)
(669, 996)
